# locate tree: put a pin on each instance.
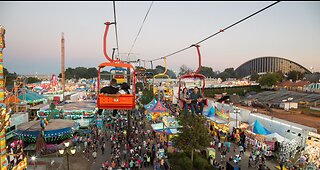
(184, 70)
(69, 73)
(207, 71)
(270, 79)
(93, 72)
(193, 135)
(9, 77)
(295, 75)
(227, 73)
(160, 69)
(254, 77)
(171, 74)
(224, 75)
(80, 72)
(33, 80)
(147, 96)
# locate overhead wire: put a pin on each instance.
(220, 31)
(116, 29)
(145, 17)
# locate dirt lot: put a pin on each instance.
(294, 115)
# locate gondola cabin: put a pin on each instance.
(124, 101)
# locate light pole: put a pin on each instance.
(33, 159)
(165, 133)
(67, 151)
(236, 111)
(289, 100)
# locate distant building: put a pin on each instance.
(292, 86)
(269, 64)
(313, 87)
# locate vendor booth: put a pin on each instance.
(218, 121)
(312, 151)
(258, 138)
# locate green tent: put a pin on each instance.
(32, 97)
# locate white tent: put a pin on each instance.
(278, 137)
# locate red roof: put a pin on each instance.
(293, 84)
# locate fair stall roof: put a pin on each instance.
(278, 137)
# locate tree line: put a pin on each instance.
(268, 79)
(82, 72)
(11, 77)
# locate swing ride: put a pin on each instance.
(123, 101)
(192, 80)
(167, 91)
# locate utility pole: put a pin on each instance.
(62, 64)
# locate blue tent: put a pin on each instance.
(151, 104)
(118, 69)
(31, 97)
(258, 128)
(211, 112)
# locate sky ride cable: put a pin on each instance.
(145, 17)
(116, 29)
(220, 31)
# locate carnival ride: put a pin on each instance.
(189, 80)
(156, 109)
(119, 74)
(15, 99)
(53, 131)
(123, 101)
(51, 86)
(168, 92)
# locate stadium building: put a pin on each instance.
(269, 64)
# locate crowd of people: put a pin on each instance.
(235, 146)
(134, 146)
(131, 146)
(15, 154)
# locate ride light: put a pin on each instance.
(61, 151)
(73, 151)
(67, 144)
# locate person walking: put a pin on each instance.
(94, 155)
(281, 164)
(241, 150)
(103, 148)
(148, 160)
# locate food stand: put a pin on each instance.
(257, 141)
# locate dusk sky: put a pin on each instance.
(33, 30)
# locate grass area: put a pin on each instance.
(240, 90)
(309, 111)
